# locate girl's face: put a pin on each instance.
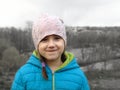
(51, 47)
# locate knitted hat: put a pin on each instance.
(47, 25)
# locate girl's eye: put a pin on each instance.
(44, 39)
(57, 37)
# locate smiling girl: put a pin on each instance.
(50, 67)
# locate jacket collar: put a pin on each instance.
(35, 60)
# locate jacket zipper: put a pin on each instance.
(53, 81)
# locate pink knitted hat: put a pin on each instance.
(47, 25)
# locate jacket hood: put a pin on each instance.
(69, 62)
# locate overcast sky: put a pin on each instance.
(73, 12)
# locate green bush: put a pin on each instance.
(10, 59)
(4, 44)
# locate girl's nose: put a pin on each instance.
(51, 43)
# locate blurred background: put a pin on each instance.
(93, 33)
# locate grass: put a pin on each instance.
(104, 74)
(104, 80)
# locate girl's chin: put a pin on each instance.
(52, 57)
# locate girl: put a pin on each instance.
(50, 67)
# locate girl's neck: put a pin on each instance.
(54, 64)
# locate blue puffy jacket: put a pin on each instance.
(68, 76)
